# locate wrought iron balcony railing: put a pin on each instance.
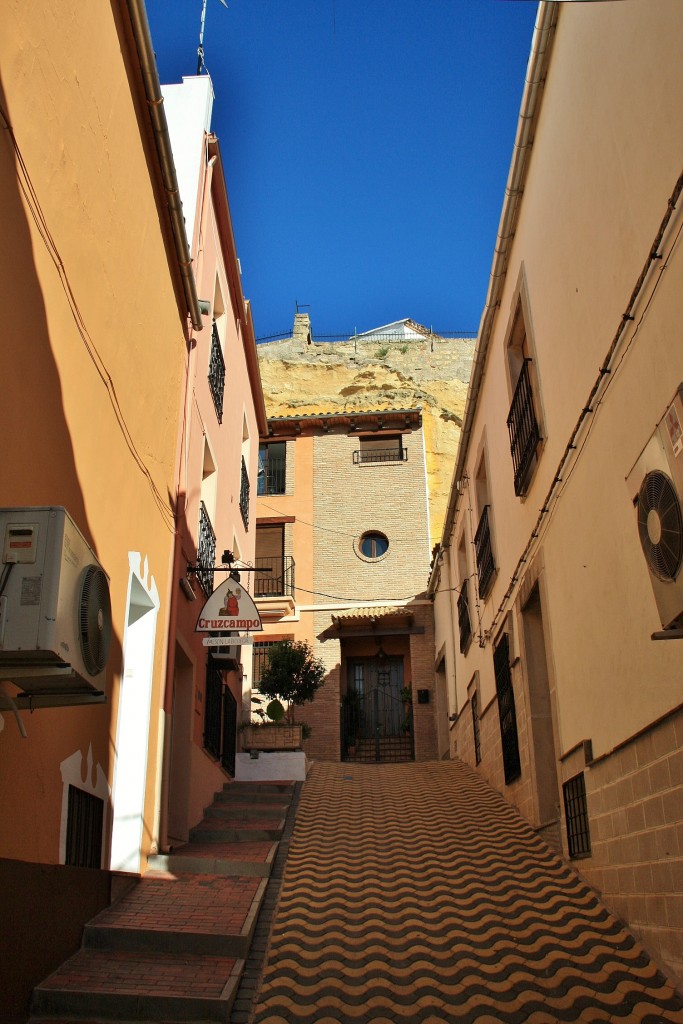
(374, 455)
(217, 372)
(244, 495)
(279, 582)
(464, 622)
(206, 550)
(523, 428)
(484, 552)
(272, 480)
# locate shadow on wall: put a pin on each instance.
(44, 907)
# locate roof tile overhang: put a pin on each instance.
(375, 621)
(353, 421)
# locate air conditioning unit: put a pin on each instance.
(656, 487)
(55, 612)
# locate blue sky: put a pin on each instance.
(366, 145)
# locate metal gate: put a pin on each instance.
(376, 720)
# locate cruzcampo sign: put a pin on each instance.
(230, 607)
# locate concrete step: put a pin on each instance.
(246, 859)
(235, 830)
(254, 788)
(210, 915)
(139, 986)
(231, 794)
(245, 811)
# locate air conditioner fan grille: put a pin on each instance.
(660, 525)
(95, 619)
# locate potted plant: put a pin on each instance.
(294, 675)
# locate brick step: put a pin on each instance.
(247, 859)
(260, 787)
(240, 796)
(233, 830)
(139, 986)
(244, 811)
(211, 915)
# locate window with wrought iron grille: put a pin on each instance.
(260, 654)
(206, 551)
(523, 420)
(216, 372)
(512, 768)
(85, 817)
(244, 495)
(474, 703)
(374, 451)
(576, 817)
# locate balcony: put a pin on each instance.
(464, 623)
(272, 479)
(217, 373)
(484, 551)
(278, 581)
(525, 435)
(206, 550)
(373, 456)
(244, 495)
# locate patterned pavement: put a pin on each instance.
(414, 893)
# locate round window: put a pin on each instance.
(374, 545)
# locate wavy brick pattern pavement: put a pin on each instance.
(414, 893)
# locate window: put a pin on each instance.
(206, 551)
(85, 815)
(271, 468)
(464, 617)
(378, 450)
(475, 727)
(373, 545)
(244, 495)
(506, 710)
(483, 547)
(523, 420)
(216, 372)
(576, 815)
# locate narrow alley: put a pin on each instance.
(414, 892)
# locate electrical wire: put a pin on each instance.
(325, 529)
(40, 220)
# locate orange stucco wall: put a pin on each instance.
(91, 359)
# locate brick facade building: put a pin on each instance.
(342, 539)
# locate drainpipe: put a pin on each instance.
(155, 103)
(537, 68)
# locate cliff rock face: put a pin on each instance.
(301, 376)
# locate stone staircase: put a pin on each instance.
(174, 946)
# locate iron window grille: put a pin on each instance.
(372, 456)
(260, 656)
(217, 372)
(206, 550)
(244, 495)
(506, 710)
(464, 622)
(272, 468)
(484, 553)
(85, 816)
(523, 429)
(279, 581)
(475, 727)
(576, 816)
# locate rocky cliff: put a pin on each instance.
(303, 376)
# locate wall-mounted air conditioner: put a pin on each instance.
(55, 612)
(656, 486)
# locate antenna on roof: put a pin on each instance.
(200, 48)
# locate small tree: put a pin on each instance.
(292, 674)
